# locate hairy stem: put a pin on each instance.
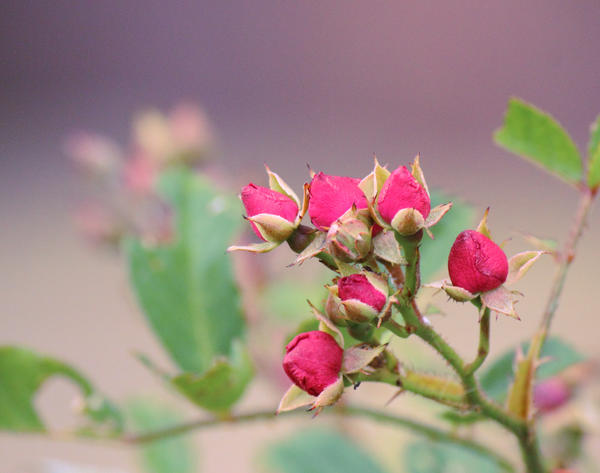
(566, 258)
(476, 399)
(484, 343)
(433, 433)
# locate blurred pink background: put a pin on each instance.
(287, 83)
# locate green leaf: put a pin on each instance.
(538, 137)
(496, 379)
(323, 451)
(221, 386)
(594, 155)
(174, 454)
(427, 457)
(22, 374)
(434, 253)
(187, 289)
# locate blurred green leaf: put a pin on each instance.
(187, 289)
(497, 377)
(287, 298)
(427, 457)
(538, 137)
(23, 372)
(174, 454)
(222, 385)
(434, 253)
(594, 155)
(322, 451)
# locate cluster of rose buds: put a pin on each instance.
(360, 229)
(355, 224)
(127, 176)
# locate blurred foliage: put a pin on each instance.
(427, 457)
(319, 450)
(174, 454)
(222, 385)
(497, 376)
(189, 295)
(187, 288)
(22, 374)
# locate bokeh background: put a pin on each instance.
(288, 83)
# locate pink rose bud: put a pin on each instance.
(476, 263)
(550, 394)
(363, 297)
(401, 191)
(331, 197)
(313, 361)
(261, 200)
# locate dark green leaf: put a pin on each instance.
(496, 379)
(222, 385)
(23, 372)
(321, 451)
(538, 137)
(187, 289)
(174, 454)
(434, 253)
(594, 155)
(427, 457)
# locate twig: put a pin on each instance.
(566, 258)
(432, 433)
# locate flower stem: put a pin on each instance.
(476, 399)
(484, 343)
(432, 433)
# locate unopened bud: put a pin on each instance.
(476, 263)
(313, 361)
(403, 202)
(349, 239)
(363, 296)
(331, 197)
(271, 213)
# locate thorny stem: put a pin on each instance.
(475, 397)
(433, 433)
(566, 258)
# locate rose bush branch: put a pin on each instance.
(430, 432)
(377, 278)
(566, 257)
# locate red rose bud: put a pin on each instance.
(313, 361)
(363, 296)
(349, 239)
(476, 263)
(551, 394)
(271, 214)
(400, 196)
(331, 197)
